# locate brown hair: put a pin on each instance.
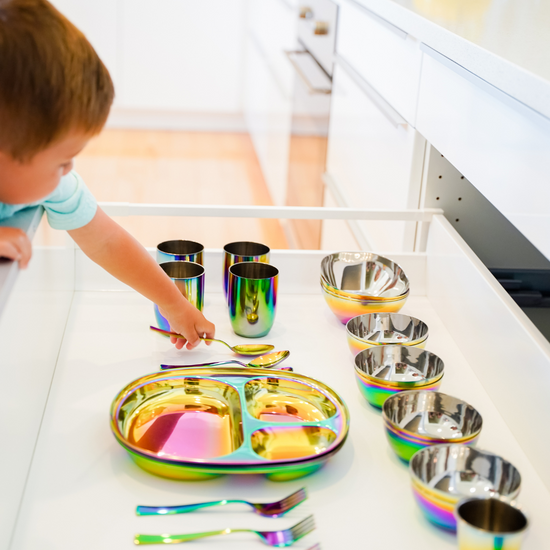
(52, 81)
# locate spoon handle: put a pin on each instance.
(211, 364)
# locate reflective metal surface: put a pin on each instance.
(378, 329)
(241, 349)
(286, 401)
(243, 251)
(200, 422)
(265, 509)
(442, 475)
(265, 361)
(486, 524)
(280, 539)
(252, 298)
(383, 371)
(345, 309)
(189, 278)
(416, 419)
(183, 251)
(363, 275)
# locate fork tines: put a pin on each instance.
(275, 509)
(303, 528)
(294, 499)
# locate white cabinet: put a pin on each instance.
(182, 55)
(268, 88)
(383, 54)
(499, 144)
(374, 158)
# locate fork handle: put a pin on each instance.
(184, 508)
(175, 539)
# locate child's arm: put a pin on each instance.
(111, 247)
(15, 245)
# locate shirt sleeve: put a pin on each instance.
(71, 205)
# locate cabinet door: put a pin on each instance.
(268, 117)
(182, 55)
(98, 21)
(376, 164)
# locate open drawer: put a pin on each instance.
(81, 482)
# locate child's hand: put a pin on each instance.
(190, 323)
(15, 245)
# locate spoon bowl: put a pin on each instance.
(265, 361)
(241, 349)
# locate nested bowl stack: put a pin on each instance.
(384, 371)
(382, 329)
(198, 423)
(417, 419)
(443, 475)
(354, 283)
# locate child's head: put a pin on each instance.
(55, 93)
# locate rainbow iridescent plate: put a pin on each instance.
(196, 423)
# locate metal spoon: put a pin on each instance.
(241, 349)
(265, 361)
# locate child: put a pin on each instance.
(55, 94)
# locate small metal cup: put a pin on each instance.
(243, 251)
(180, 251)
(252, 298)
(489, 524)
(189, 278)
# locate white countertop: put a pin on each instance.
(505, 42)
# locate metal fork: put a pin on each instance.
(270, 509)
(279, 539)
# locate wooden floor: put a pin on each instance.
(176, 167)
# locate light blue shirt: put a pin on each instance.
(70, 206)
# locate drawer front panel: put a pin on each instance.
(372, 161)
(497, 143)
(386, 57)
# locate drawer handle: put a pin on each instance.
(383, 106)
(304, 63)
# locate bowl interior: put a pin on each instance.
(399, 364)
(387, 328)
(279, 400)
(464, 471)
(284, 442)
(432, 415)
(183, 418)
(364, 273)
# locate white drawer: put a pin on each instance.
(371, 159)
(384, 55)
(499, 144)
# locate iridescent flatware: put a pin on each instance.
(285, 537)
(241, 349)
(270, 509)
(265, 361)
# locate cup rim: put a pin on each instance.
(199, 247)
(503, 502)
(200, 268)
(263, 249)
(242, 265)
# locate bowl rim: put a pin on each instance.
(373, 343)
(392, 383)
(401, 395)
(362, 253)
(449, 497)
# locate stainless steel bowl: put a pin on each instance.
(377, 329)
(443, 475)
(399, 366)
(363, 275)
